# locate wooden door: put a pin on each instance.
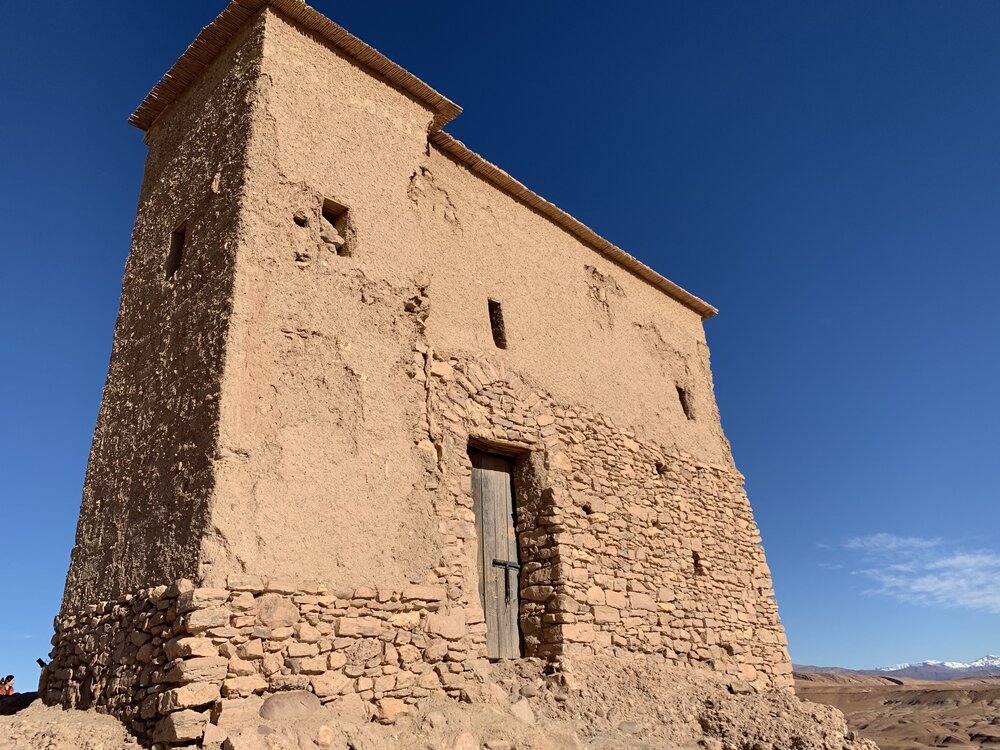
(493, 496)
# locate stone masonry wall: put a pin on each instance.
(171, 661)
(625, 547)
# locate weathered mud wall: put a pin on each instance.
(150, 477)
(320, 422)
(296, 403)
(319, 474)
(584, 328)
(342, 458)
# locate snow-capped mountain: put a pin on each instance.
(987, 661)
(987, 666)
(928, 663)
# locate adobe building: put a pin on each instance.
(377, 414)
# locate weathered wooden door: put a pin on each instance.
(493, 495)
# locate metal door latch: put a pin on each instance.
(507, 566)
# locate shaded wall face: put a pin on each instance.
(150, 472)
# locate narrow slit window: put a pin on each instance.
(684, 396)
(336, 230)
(178, 238)
(496, 324)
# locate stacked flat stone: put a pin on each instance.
(170, 661)
(626, 546)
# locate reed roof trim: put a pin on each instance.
(213, 40)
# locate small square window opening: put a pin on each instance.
(336, 230)
(699, 567)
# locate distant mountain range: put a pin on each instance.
(988, 666)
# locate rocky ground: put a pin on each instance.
(25, 724)
(908, 714)
(601, 704)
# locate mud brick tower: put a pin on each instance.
(377, 414)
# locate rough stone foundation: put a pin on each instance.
(170, 660)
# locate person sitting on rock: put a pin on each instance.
(7, 685)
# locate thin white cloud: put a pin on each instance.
(888, 543)
(928, 572)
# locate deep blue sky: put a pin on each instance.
(824, 173)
